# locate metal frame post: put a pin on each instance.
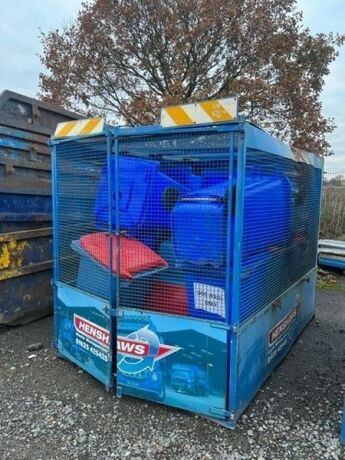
(110, 312)
(116, 300)
(229, 247)
(56, 265)
(237, 263)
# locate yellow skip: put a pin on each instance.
(80, 127)
(12, 253)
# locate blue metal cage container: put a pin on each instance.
(232, 212)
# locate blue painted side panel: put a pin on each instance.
(82, 331)
(180, 363)
(14, 137)
(183, 361)
(265, 339)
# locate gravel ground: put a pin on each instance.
(52, 410)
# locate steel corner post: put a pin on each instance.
(236, 280)
(56, 233)
(320, 210)
(232, 191)
(112, 182)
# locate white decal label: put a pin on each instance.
(209, 298)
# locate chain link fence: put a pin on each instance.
(333, 205)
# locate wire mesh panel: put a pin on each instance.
(280, 227)
(82, 245)
(173, 204)
(173, 218)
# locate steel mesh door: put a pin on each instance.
(174, 195)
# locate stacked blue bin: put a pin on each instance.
(146, 197)
(199, 228)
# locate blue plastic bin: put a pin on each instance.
(199, 227)
(94, 279)
(213, 177)
(147, 196)
(199, 220)
(183, 174)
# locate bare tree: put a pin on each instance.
(129, 57)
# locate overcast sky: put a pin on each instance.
(20, 46)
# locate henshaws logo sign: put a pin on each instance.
(137, 351)
(282, 327)
(282, 333)
(92, 331)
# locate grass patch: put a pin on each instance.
(326, 280)
(324, 283)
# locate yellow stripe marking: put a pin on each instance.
(179, 116)
(216, 111)
(90, 126)
(66, 128)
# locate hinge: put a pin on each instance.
(109, 386)
(220, 412)
(277, 303)
(119, 392)
(220, 325)
(234, 328)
